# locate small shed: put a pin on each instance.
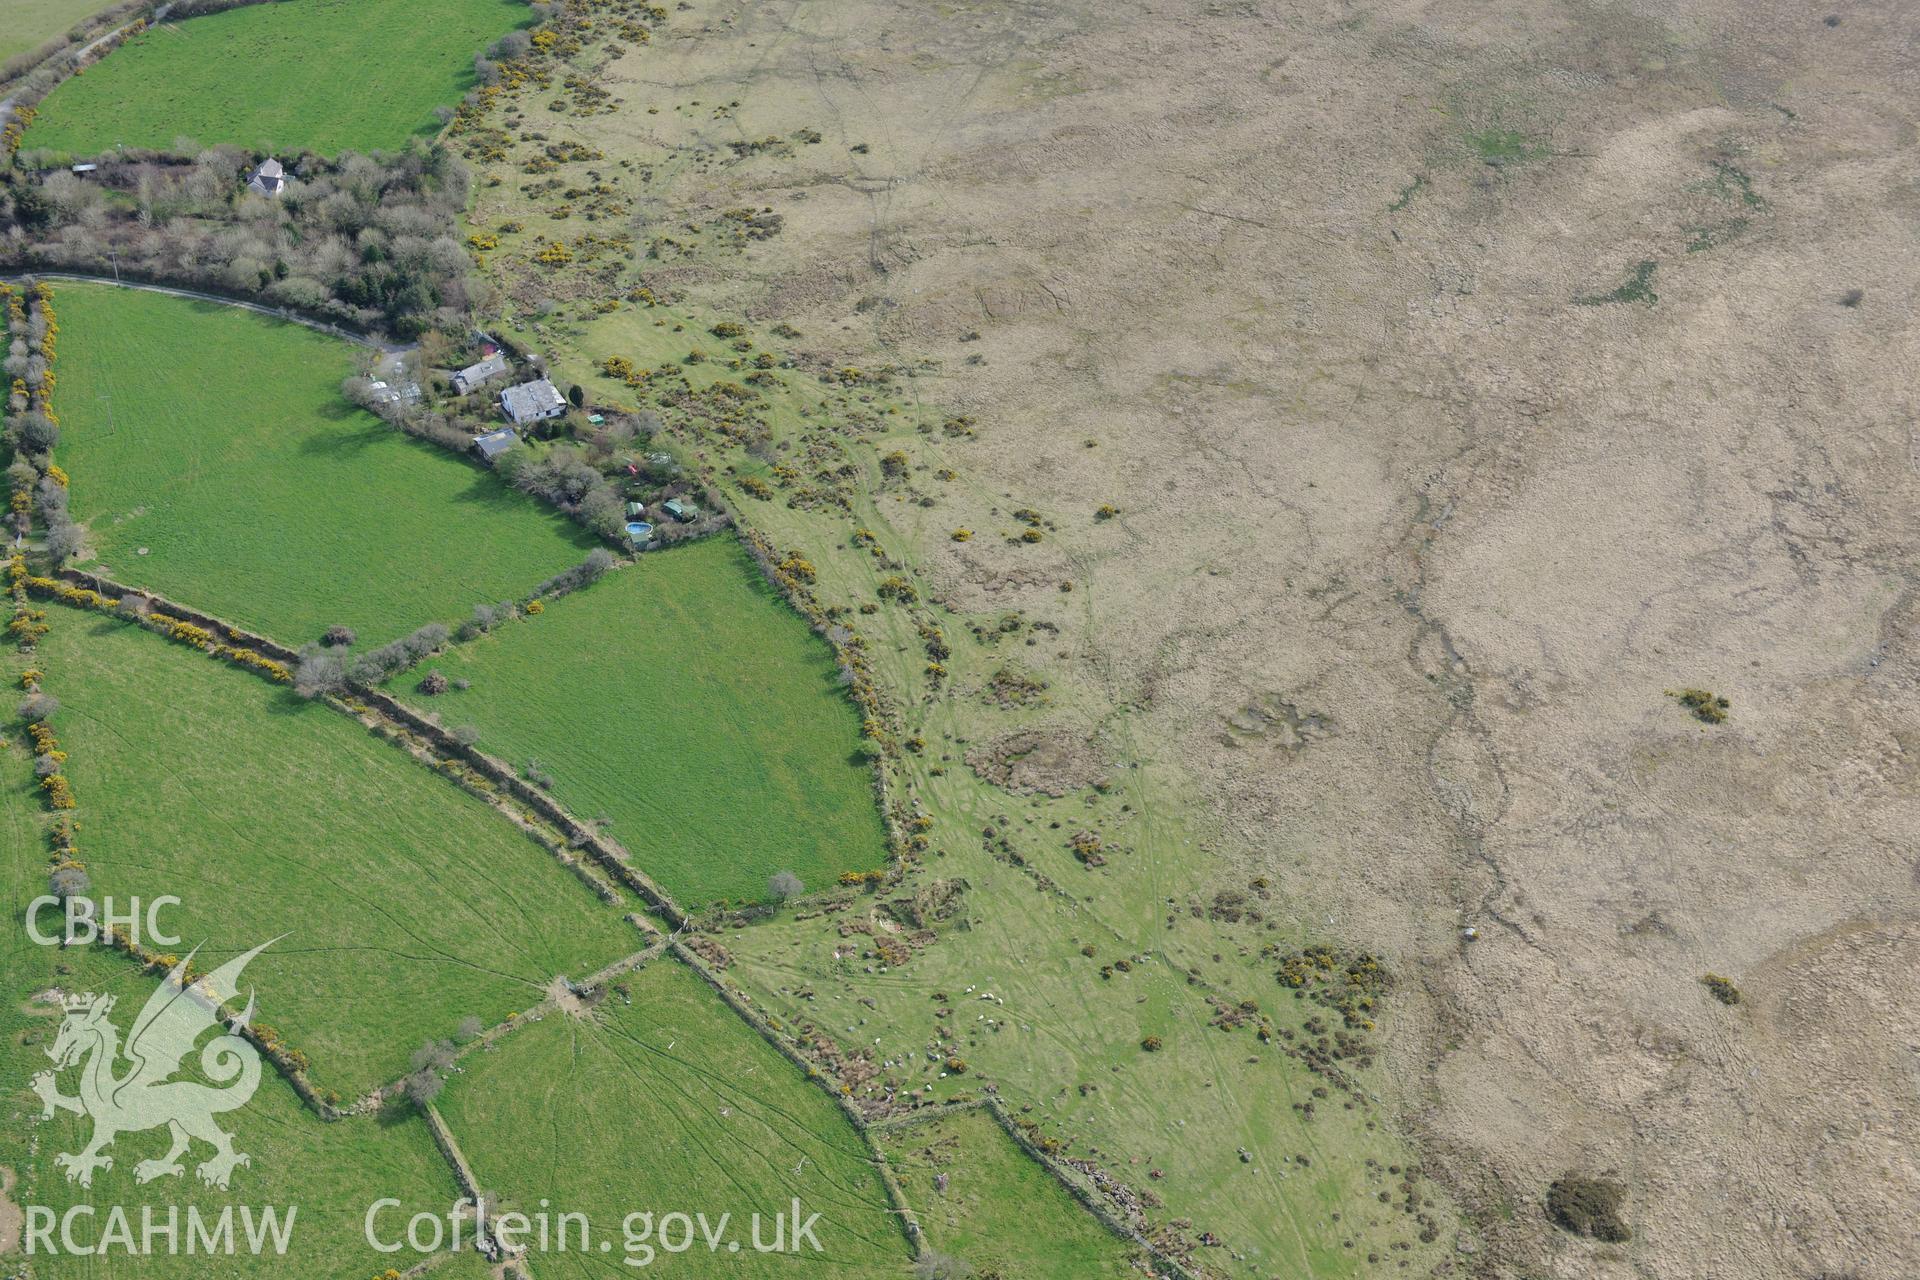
(494, 443)
(533, 401)
(636, 511)
(84, 169)
(476, 375)
(680, 509)
(270, 179)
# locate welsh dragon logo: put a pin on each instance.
(144, 1095)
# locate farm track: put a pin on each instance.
(79, 58)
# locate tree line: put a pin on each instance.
(367, 241)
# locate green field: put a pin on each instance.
(681, 698)
(320, 75)
(217, 440)
(662, 1100)
(330, 1171)
(407, 904)
(25, 25)
(999, 1211)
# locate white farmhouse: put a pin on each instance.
(270, 179)
(533, 402)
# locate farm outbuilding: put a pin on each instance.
(680, 509)
(494, 443)
(533, 402)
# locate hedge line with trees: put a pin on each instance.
(140, 610)
(32, 428)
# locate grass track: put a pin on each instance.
(217, 439)
(27, 24)
(681, 698)
(670, 1103)
(408, 905)
(321, 75)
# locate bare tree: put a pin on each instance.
(784, 885)
(63, 540)
(69, 882)
(319, 673)
(434, 1055)
(431, 1062)
(38, 707)
(423, 1087)
(33, 433)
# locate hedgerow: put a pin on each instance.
(176, 629)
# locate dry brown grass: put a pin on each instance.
(1310, 277)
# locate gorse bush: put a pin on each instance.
(1707, 707)
(1588, 1207)
(1721, 988)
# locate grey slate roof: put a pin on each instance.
(495, 443)
(532, 401)
(475, 374)
(268, 180)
